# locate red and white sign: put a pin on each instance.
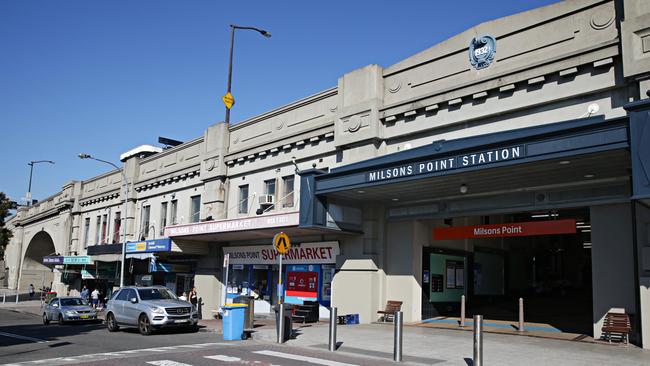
(305, 253)
(302, 284)
(533, 228)
(223, 226)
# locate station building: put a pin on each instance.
(509, 161)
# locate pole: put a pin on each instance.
(232, 43)
(280, 323)
(397, 341)
(521, 314)
(126, 218)
(4, 297)
(29, 189)
(280, 289)
(462, 311)
(333, 317)
(478, 340)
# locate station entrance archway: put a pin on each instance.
(33, 270)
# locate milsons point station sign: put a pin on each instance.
(448, 163)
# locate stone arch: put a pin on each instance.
(33, 271)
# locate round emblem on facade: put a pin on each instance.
(354, 123)
(209, 165)
(395, 86)
(481, 51)
(602, 19)
(279, 124)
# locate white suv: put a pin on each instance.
(149, 308)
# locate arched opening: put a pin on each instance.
(33, 270)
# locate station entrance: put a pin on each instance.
(543, 258)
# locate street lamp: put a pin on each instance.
(232, 42)
(126, 194)
(31, 170)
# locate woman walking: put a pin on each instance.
(193, 298)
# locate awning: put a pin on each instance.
(140, 255)
(107, 257)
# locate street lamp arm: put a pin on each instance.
(260, 31)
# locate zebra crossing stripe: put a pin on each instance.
(223, 358)
(314, 360)
(167, 363)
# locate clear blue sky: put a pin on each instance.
(102, 77)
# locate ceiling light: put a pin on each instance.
(583, 226)
(565, 162)
(463, 188)
(362, 192)
(589, 175)
(395, 199)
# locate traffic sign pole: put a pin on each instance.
(280, 289)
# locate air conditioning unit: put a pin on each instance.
(267, 199)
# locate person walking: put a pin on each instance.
(193, 298)
(84, 293)
(31, 291)
(95, 297)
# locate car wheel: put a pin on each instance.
(61, 321)
(144, 325)
(46, 321)
(111, 323)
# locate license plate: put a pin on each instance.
(182, 321)
(84, 316)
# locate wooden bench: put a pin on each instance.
(391, 308)
(617, 323)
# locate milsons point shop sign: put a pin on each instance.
(448, 163)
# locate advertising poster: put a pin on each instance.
(304, 284)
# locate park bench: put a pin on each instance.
(392, 307)
(618, 323)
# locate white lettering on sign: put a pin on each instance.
(250, 223)
(314, 253)
(481, 51)
(506, 229)
(444, 164)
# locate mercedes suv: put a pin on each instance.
(149, 308)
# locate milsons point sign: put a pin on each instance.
(447, 163)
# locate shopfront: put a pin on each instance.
(153, 262)
(543, 213)
(75, 270)
(307, 273)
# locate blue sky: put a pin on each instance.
(102, 77)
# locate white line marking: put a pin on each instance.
(24, 338)
(167, 363)
(317, 361)
(223, 358)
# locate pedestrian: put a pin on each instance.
(84, 293)
(193, 297)
(95, 297)
(31, 291)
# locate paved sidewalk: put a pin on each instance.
(448, 347)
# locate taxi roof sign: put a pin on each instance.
(281, 242)
(228, 100)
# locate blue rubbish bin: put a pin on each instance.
(232, 326)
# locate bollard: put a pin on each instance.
(4, 297)
(462, 311)
(521, 314)
(333, 319)
(17, 296)
(397, 345)
(280, 323)
(478, 340)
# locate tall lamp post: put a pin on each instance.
(126, 194)
(228, 100)
(31, 171)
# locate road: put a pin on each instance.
(25, 341)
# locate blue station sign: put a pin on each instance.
(60, 259)
(52, 259)
(149, 246)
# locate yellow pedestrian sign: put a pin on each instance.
(281, 242)
(228, 100)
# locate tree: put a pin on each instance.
(5, 234)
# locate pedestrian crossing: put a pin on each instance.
(273, 354)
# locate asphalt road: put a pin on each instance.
(25, 341)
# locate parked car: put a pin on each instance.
(149, 308)
(68, 309)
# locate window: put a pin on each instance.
(243, 199)
(287, 193)
(269, 189)
(86, 231)
(173, 212)
(163, 217)
(155, 294)
(98, 233)
(144, 229)
(104, 229)
(122, 296)
(117, 225)
(195, 213)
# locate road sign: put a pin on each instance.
(228, 100)
(226, 260)
(281, 243)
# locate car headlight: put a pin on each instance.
(157, 310)
(70, 312)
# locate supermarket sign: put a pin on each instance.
(308, 253)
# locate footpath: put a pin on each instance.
(430, 346)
